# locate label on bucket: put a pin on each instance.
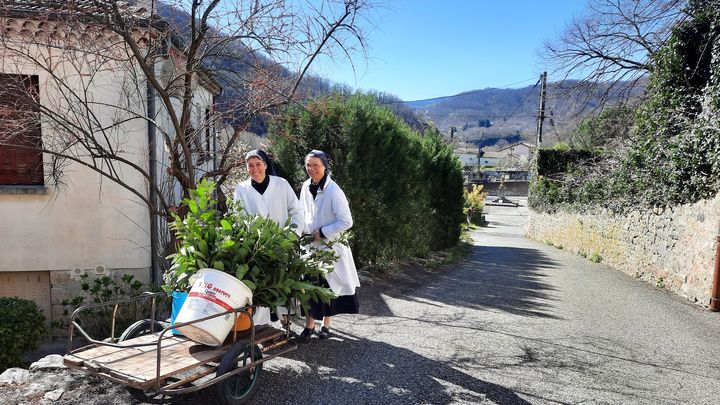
(213, 292)
(212, 298)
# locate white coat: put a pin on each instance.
(330, 212)
(278, 203)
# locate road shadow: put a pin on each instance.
(352, 370)
(506, 279)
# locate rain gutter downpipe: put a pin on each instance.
(152, 169)
(715, 292)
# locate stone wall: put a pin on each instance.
(671, 248)
(512, 188)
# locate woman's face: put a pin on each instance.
(256, 168)
(315, 169)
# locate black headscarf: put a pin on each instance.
(320, 155)
(270, 170)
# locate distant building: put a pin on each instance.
(517, 155)
(468, 155)
(490, 158)
(519, 149)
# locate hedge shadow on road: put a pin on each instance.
(491, 278)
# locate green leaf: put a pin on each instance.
(193, 206)
(226, 225)
(219, 265)
(249, 284)
(240, 270)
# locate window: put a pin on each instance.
(20, 137)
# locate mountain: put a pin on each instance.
(497, 116)
(419, 104)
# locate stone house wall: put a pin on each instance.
(671, 248)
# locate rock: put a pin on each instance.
(54, 395)
(51, 362)
(14, 375)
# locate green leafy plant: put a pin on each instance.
(98, 321)
(270, 259)
(474, 204)
(21, 330)
(595, 257)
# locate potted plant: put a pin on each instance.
(270, 259)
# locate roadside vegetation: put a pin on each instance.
(663, 151)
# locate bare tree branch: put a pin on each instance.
(613, 43)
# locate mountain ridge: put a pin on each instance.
(482, 115)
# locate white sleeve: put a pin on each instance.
(341, 211)
(237, 196)
(295, 209)
(305, 211)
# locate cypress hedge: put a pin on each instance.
(404, 188)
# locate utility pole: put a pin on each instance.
(541, 108)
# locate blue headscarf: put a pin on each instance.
(265, 158)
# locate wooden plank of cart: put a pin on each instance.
(150, 360)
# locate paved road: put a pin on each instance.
(516, 322)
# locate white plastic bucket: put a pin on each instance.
(213, 292)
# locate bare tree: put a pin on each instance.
(257, 52)
(612, 44)
(138, 92)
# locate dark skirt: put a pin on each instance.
(344, 304)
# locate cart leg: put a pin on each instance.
(241, 387)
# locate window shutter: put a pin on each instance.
(20, 156)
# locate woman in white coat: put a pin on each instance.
(269, 196)
(327, 214)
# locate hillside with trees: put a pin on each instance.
(495, 116)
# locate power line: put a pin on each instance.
(519, 105)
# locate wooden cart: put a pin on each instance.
(150, 360)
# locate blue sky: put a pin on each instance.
(429, 48)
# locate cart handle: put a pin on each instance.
(81, 308)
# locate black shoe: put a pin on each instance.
(305, 335)
(324, 333)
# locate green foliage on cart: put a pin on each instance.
(269, 258)
(405, 188)
(22, 329)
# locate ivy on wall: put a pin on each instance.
(674, 156)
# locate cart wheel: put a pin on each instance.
(140, 328)
(239, 388)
